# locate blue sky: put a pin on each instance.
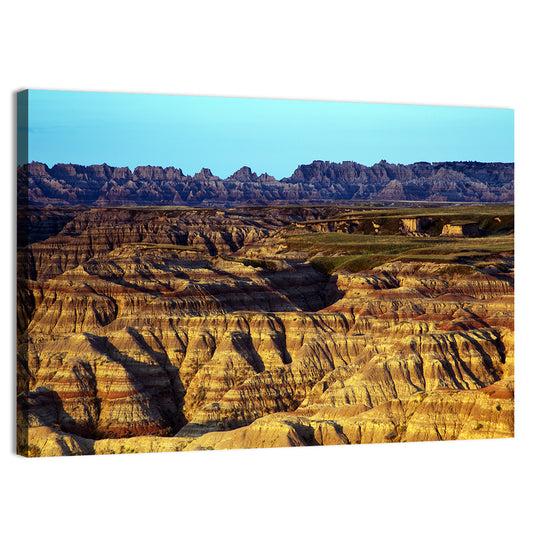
(272, 136)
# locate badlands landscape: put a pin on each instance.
(174, 328)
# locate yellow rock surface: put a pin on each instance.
(205, 325)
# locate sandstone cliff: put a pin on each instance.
(185, 329)
(318, 182)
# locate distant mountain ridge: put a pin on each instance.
(318, 182)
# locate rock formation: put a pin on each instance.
(318, 182)
(166, 329)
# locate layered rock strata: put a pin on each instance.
(320, 181)
(153, 330)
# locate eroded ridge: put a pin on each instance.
(162, 329)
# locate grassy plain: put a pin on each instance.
(364, 249)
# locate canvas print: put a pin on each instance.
(203, 273)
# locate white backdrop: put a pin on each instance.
(452, 53)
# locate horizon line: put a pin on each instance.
(382, 161)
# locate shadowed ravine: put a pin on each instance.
(163, 329)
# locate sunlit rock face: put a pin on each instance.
(187, 329)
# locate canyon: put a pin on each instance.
(177, 328)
